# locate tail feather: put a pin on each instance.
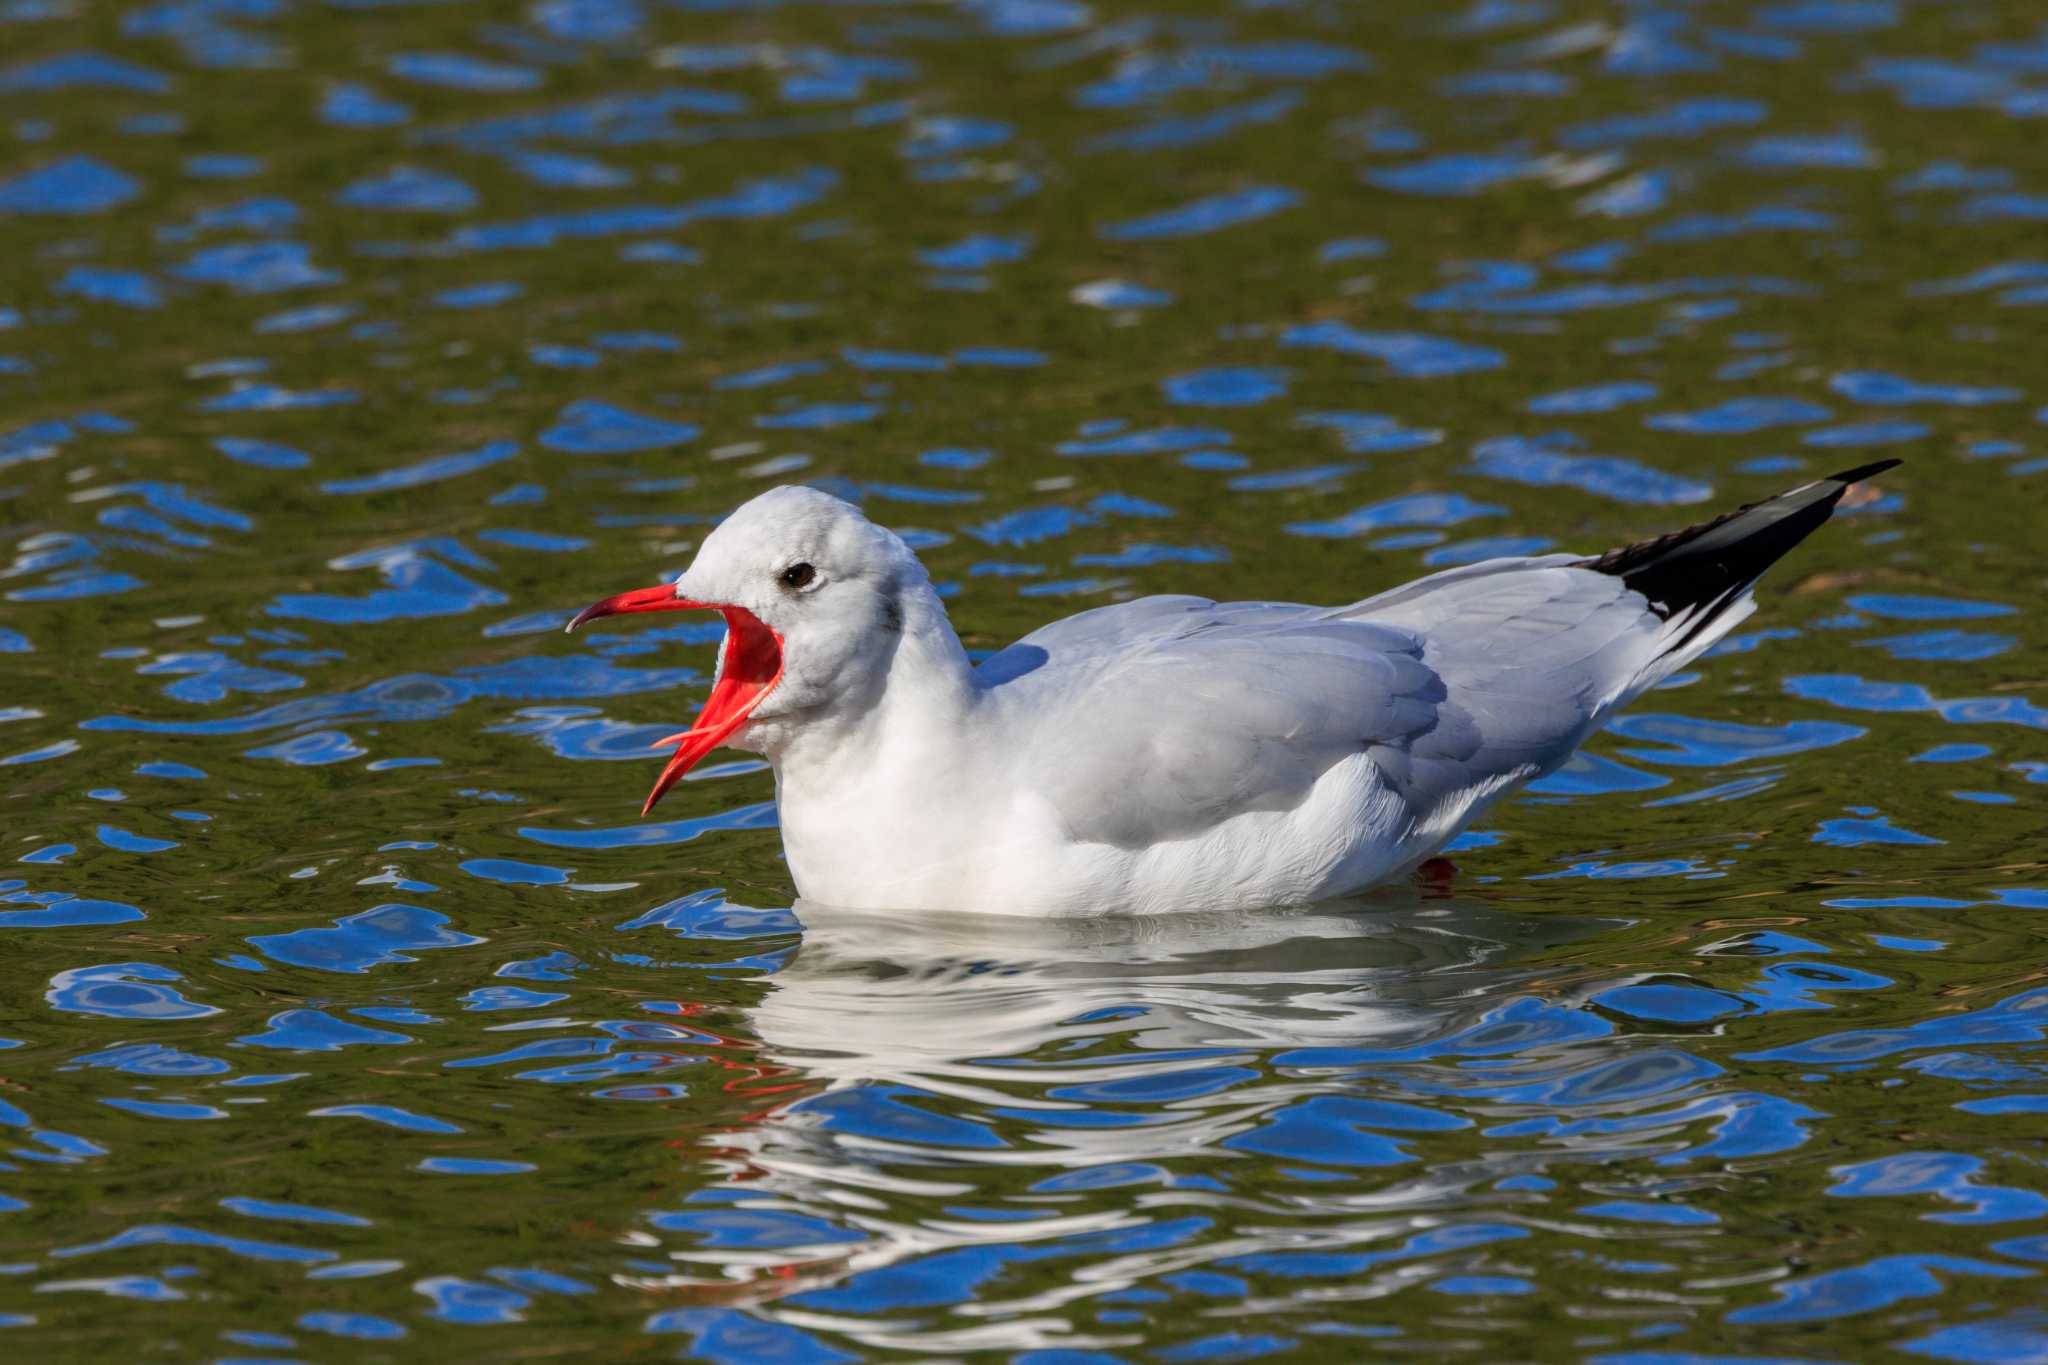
(1695, 575)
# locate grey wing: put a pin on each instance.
(1159, 718)
(1534, 653)
(1163, 716)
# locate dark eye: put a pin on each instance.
(796, 576)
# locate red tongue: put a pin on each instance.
(750, 664)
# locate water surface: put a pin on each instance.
(346, 348)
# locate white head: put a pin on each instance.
(816, 600)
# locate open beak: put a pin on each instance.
(749, 666)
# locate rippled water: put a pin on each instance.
(346, 348)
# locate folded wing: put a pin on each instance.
(1164, 716)
(1157, 719)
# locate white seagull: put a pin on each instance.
(1172, 753)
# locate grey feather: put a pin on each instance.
(1166, 715)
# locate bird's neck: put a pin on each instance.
(869, 792)
(915, 707)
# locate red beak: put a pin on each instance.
(749, 666)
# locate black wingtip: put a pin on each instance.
(1864, 471)
(1708, 565)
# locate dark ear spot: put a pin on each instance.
(892, 616)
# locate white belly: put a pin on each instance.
(1008, 853)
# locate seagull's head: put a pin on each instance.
(813, 598)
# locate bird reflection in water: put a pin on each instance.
(1111, 1075)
